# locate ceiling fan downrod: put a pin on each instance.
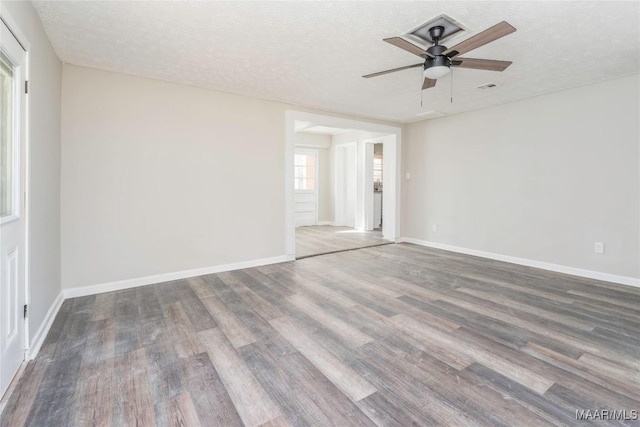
(436, 34)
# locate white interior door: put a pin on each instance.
(346, 178)
(306, 187)
(12, 218)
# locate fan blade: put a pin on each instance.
(481, 64)
(393, 70)
(490, 34)
(428, 83)
(408, 46)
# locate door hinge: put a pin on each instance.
(26, 86)
(26, 311)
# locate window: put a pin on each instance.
(7, 149)
(304, 172)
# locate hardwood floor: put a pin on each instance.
(325, 239)
(391, 335)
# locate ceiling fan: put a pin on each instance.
(439, 59)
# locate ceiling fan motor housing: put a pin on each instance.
(439, 59)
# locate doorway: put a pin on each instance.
(13, 113)
(344, 217)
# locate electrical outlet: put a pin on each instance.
(434, 228)
(598, 248)
(407, 175)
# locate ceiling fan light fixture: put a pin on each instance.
(436, 72)
(436, 67)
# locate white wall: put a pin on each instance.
(160, 177)
(325, 186)
(44, 163)
(346, 183)
(322, 144)
(315, 140)
(541, 179)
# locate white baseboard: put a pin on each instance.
(326, 223)
(606, 277)
(38, 339)
(43, 330)
(159, 278)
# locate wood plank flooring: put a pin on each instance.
(393, 335)
(325, 239)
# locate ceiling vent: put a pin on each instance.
(450, 27)
(488, 86)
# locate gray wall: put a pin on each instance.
(44, 164)
(541, 179)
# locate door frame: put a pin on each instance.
(392, 212)
(13, 26)
(368, 184)
(316, 175)
(389, 143)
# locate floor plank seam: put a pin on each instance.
(343, 250)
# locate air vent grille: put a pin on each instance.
(488, 86)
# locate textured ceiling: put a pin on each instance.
(314, 53)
